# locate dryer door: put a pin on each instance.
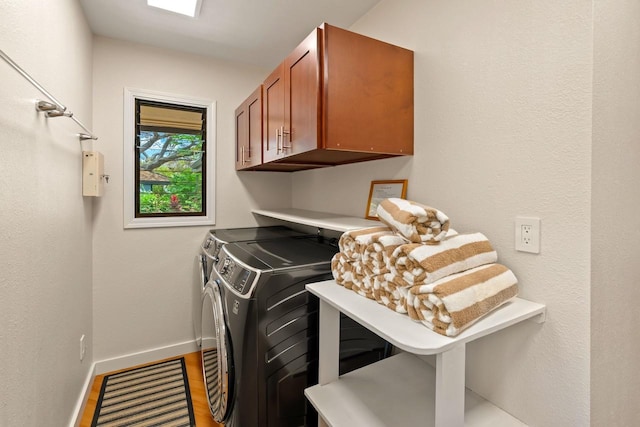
(216, 352)
(198, 291)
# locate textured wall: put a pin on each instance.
(503, 128)
(615, 341)
(45, 223)
(143, 278)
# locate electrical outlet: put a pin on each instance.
(528, 234)
(525, 229)
(83, 348)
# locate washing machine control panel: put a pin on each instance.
(234, 274)
(211, 246)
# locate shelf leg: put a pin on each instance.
(450, 387)
(329, 347)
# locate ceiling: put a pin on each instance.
(258, 32)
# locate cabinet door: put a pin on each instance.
(273, 115)
(368, 94)
(249, 131)
(302, 130)
(241, 135)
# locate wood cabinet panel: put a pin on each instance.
(254, 109)
(368, 94)
(242, 136)
(302, 98)
(249, 131)
(273, 114)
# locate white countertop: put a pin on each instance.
(325, 220)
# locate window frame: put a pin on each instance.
(129, 161)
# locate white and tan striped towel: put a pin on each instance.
(392, 294)
(342, 270)
(453, 303)
(416, 222)
(353, 242)
(349, 273)
(418, 264)
(389, 294)
(375, 255)
(363, 285)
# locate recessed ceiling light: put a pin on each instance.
(184, 7)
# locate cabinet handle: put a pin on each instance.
(242, 155)
(286, 132)
(248, 158)
(278, 149)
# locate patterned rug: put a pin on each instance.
(155, 395)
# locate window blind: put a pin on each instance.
(170, 118)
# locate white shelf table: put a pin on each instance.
(404, 389)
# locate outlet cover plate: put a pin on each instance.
(527, 233)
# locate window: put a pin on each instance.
(169, 146)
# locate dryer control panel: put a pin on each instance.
(235, 275)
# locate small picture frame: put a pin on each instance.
(381, 190)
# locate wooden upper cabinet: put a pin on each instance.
(338, 98)
(249, 131)
(302, 130)
(290, 114)
(367, 94)
(273, 115)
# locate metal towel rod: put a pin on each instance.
(52, 109)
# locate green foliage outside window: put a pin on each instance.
(178, 159)
(184, 194)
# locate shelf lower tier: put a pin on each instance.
(397, 391)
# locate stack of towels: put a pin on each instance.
(415, 264)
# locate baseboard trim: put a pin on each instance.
(147, 356)
(84, 396)
(123, 362)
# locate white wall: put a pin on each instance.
(45, 223)
(502, 128)
(143, 278)
(615, 340)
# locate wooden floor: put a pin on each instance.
(196, 387)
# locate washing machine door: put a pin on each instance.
(216, 353)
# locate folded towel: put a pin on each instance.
(455, 302)
(352, 242)
(416, 222)
(390, 295)
(348, 272)
(363, 285)
(342, 270)
(376, 254)
(418, 264)
(450, 233)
